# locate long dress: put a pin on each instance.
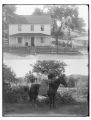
(43, 85)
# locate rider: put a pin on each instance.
(44, 83)
(51, 76)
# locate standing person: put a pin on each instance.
(38, 78)
(51, 76)
(44, 83)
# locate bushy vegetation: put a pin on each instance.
(66, 98)
(16, 95)
(71, 82)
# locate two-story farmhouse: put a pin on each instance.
(35, 31)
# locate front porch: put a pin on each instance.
(29, 40)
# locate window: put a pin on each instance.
(19, 40)
(19, 27)
(42, 27)
(42, 40)
(32, 27)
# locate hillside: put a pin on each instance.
(80, 80)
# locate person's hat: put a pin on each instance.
(44, 70)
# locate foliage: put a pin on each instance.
(29, 77)
(56, 66)
(7, 13)
(17, 95)
(66, 98)
(38, 11)
(8, 74)
(71, 82)
(67, 15)
(58, 12)
(8, 94)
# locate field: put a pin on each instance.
(27, 109)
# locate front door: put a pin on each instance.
(26, 44)
(32, 41)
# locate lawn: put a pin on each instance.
(27, 109)
(70, 108)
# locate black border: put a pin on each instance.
(88, 62)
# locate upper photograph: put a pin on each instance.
(45, 31)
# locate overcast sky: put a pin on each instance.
(28, 10)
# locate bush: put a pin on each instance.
(8, 94)
(71, 82)
(66, 98)
(17, 95)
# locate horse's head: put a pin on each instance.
(62, 80)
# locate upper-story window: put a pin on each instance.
(32, 27)
(42, 27)
(19, 27)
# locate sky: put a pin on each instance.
(74, 66)
(28, 10)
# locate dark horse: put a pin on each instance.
(53, 86)
(33, 92)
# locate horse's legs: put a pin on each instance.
(34, 101)
(53, 101)
(50, 101)
(30, 99)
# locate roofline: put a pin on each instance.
(29, 23)
(29, 34)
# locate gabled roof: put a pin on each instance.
(30, 19)
(17, 19)
(38, 19)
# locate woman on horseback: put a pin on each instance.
(43, 83)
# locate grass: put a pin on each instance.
(29, 110)
(73, 108)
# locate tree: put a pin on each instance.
(29, 77)
(8, 11)
(71, 17)
(8, 75)
(38, 11)
(7, 14)
(71, 82)
(56, 67)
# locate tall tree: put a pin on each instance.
(38, 11)
(29, 77)
(56, 67)
(71, 16)
(8, 75)
(7, 13)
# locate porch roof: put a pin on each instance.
(28, 34)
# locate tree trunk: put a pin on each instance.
(57, 44)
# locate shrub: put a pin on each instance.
(71, 82)
(66, 98)
(8, 94)
(17, 95)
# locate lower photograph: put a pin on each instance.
(45, 88)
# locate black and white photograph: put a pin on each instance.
(45, 65)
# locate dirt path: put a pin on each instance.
(29, 110)
(43, 56)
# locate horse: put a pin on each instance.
(53, 86)
(52, 90)
(33, 92)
